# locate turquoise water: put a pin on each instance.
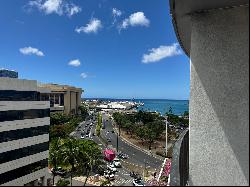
(158, 105)
(163, 105)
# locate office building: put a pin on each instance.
(24, 133)
(63, 98)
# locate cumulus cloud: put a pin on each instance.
(157, 54)
(83, 75)
(135, 19)
(74, 63)
(59, 7)
(92, 27)
(31, 51)
(116, 12)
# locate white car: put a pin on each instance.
(87, 135)
(117, 163)
(137, 182)
(82, 137)
(111, 167)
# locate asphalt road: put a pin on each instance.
(135, 156)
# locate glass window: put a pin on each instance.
(23, 133)
(22, 171)
(12, 115)
(23, 152)
(12, 95)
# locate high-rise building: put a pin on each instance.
(24, 133)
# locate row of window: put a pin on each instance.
(12, 95)
(23, 133)
(23, 152)
(12, 115)
(22, 171)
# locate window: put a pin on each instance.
(23, 133)
(23, 152)
(12, 115)
(22, 171)
(12, 95)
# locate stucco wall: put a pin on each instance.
(219, 98)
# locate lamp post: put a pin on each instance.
(166, 135)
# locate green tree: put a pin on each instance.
(84, 111)
(70, 152)
(62, 182)
(55, 156)
(90, 156)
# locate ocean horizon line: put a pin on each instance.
(133, 98)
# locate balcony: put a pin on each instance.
(180, 161)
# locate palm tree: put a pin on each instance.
(91, 157)
(55, 156)
(70, 152)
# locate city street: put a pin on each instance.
(136, 157)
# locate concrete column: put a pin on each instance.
(219, 98)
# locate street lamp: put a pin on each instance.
(166, 135)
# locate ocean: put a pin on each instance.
(158, 105)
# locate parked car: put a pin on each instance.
(87, 135)
(82, 137)
(108, 139)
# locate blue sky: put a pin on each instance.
(114, 49)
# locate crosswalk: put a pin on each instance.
(120, 181)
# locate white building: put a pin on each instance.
(24, 133)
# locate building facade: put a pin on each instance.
(63, 98)
(215, 35)
(24, 133)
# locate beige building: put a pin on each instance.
(63, 98)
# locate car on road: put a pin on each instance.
(108, 139)
(82, 137)
(117, 163)
(113, 131)
(93, 134)
(109, 175)
(59, 171)
(87, 135)
(138, 182)
(122, 156)
(111, 167)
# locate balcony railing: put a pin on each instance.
(180, 165)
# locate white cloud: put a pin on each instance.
(135, 19)
(92, 27)
(75, 63)
(84, 75)
(31, 51)
(59, 7)
(157, 54)
(72, 9)
(116, 12)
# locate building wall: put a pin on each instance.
(219, 98)
(24, 133)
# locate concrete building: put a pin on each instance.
(215, 35)
(63, 98)
(24, 133)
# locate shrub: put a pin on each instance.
(62, 182)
